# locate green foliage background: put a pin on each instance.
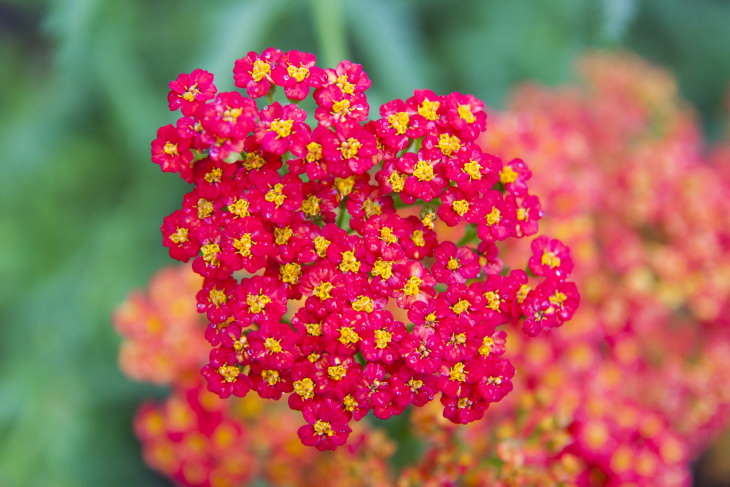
(83, 90)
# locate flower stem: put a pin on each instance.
(329, 21)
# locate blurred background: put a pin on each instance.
(84, 86)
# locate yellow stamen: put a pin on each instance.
(363, 303)
(323, 290)
(413, 286)
(257, 302)
(310, 206)
(486, 348)
(550, 259)
(270, 376)
(323, 428)
(171, 149)
(371, 208)
(260, 69)
(210, 253)
(298, 73)
(282, 128)
(461, 306)
(429, 109)
(217, 297)
(473, 169)
(205, 208)
(273, 345)
(275, 195)
(349, 262)
(229, 372)
(214, 176)
(336, 372)
(320, 245)
(282, 235)
(243, 245)
(508, 175)
(449, 144)
(349, 402)
(423, 171)
(314, 152)
(493, 300)
(231, 115)
(399, 121)
(253, 160)
(465, 113)
(350, 147)
(344, 84)
(457, 372)
(348, 335)
(313, 329)
(383, 268)
(382, 338)
(494, 216)
(290, 273)
(304, 388)
(417, 238)
(397, 181)
(386, 235)
(460, 207)
(239, 208)
(180, 236)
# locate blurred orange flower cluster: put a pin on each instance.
(629, 393)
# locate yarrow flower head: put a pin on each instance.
(316, 235)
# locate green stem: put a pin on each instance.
(329, 20)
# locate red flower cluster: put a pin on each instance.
(281, 211)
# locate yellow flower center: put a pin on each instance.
(282, 128)
(205, 208)
(494, 216)
(486, 348)
(243, 245)
(448, 144)
(508, 175)
(452, 264)
(229, 372)
(349, 402)
(415, 384)
(522, 214)
(298, 73)
(413, 286)
(210, 253)
(550, 259)
(313, 329)
(417, 238)
(399, 122)
(231, 115)
(465, 113)
(310, 206)
(273, 345)
(314, 152)
(320, 245)
(457, 372)
(290, 272)
(341, 107)
(423, 171)
(257, 302)
(239, 208)
(429, 109)
(382, 338)
(323, 428)
(260, 70)
(217, 297)
(270, 376)
(336, 372)
(282, 235)
(473, 169)
(397, 181)
(348, 335)
(170, 149)
(460, 207)
(214, 176)
(493, 300)
(344, 186)
(428, 219)
(371, 208)
(190, 93)
(323, 290)
(383, 268)
(557, 299)
(275, 195)
(180, 236)
(386, 235)
(464, 402)
(461, 306)
(350, 147)
(253, 160)
(349, 263)
(304, 388)
(344, 84)
(363, 303)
